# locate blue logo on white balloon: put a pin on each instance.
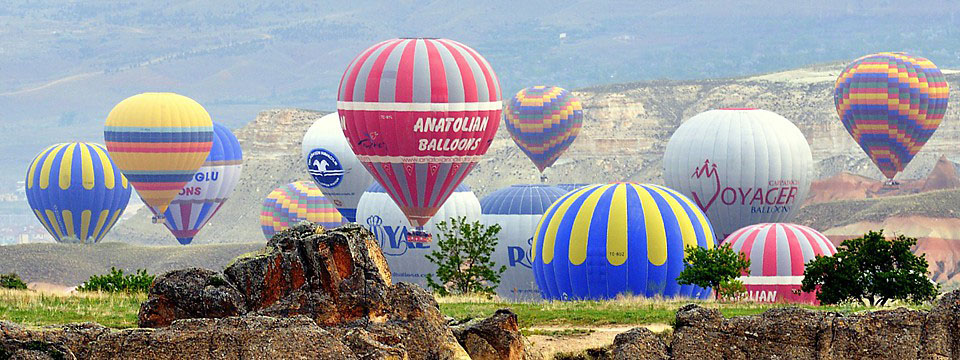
(325, 168)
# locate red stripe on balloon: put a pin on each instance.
(404, 86)
(796, 254)
(770, 252)
(488, 74)
(372, 90)
(355, 71)
(466, 75)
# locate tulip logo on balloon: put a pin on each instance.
(325, 168)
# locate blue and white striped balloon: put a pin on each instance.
(517, 209)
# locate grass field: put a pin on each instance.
(120, 310)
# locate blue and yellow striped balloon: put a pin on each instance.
(622, 238)
(76, 191)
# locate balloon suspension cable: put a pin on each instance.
(419, 236)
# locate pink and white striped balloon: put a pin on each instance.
(777, 253)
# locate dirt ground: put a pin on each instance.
(600, 336)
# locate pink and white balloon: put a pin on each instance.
(778, 253)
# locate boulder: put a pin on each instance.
(33, 350)
(639, 344)
(942, 329)
(886, 334)
(189, 293)
(495, 338)
(333, 276)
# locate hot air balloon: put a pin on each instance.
(891, 103)
(405, 254)
(740, 166)
(778, 253)
(76, 191)
(295, 202)
(544, 121)
(333, 166)
(419, 114)
(623, 238)
(517, 209)
(158, 140)
(210, 187)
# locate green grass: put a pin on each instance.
(119, 310)
(32, 308)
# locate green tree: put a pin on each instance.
(712, 267)
(871, 268)
(116, 281)
(463, 258)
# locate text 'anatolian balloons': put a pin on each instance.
(740, 166)
(333, 165)
(609, 239)
(419, 114)
(891, 103)
(76, 191)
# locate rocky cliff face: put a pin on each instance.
(626, 129)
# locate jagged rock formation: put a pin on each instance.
(496, 337)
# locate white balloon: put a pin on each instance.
(383, 217)
(740, 166)
(517, 209)
(333, 165)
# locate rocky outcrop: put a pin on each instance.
(189, 293)
(337, 278)
(639, 344)
(494, 338)
(33, 350)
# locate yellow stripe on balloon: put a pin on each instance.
(550, 238)
(617, 227)
(108, 178)
(84, 225)
(653, 221)
(148, 161)
(581, 227)
(47, 164)
(43, 221)
(687, 231)
(66, 166)
(68, 223)
(702, 221)
(536, 236)
(33, 166)
(113, 221)
(100, 221)
(52, 218)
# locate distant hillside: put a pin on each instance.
(71, 264)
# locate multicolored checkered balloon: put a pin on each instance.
(544, 121)
(295, 202)
(891, 103)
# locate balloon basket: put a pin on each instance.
(157, 220)
(891, 185)
(543, 178)
(419, 236)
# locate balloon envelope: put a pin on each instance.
(740, 166)
(891, 103)
(544, 121)
(295, 202)
(76, 191)
(158, 140)
(209, 189)
(517, 209)
(333, 165)
(419, 114)
(623, 238)
(778, 253)
(407, 260)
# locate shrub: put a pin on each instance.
(12, 281)
(871, 268)
(712, 267)
(116, 281)
(464, 258)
